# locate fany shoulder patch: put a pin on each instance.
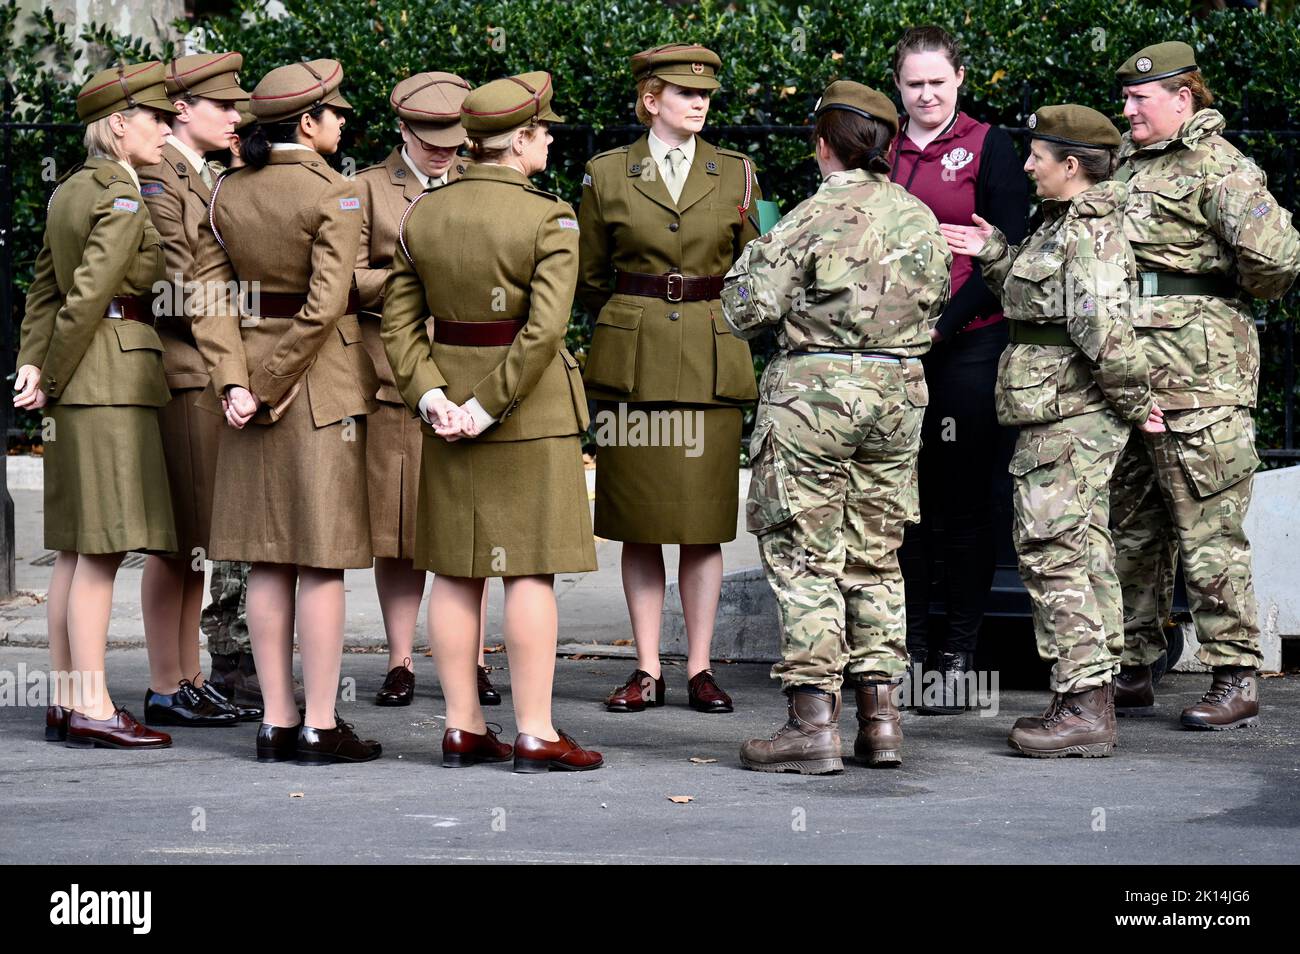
(126, 205)
(151, 188)
(350, 204)
(569, 224)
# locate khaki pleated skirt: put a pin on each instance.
(106, 485)
(503, 508)
(190, 436)
(393, 448)
(291, 492)
(662, 494)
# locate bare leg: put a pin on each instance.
(643, 588)
(699, 580)
(454, 604)
(161, 602)
(270, 606)
(321, 609)
(191, 610)
(90, 606)
(482, 625)
(530, 624)
(401, 587)
(56, 622)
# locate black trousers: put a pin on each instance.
(963, 484)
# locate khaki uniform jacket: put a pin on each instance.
(386, 190)
(648, 349)
(293, 227)
(489, 247)
(99, 243)
(178, 204)
(1197, 206)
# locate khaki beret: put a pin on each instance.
(1157, 62)
(246, 118)
(210, 75)
(124, 86)
(1073, 126)
(289, 91)
(429, 104)
(506, 104)
(856, 98)
(683, 64)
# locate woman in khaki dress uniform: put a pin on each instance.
(205, 90)
(296, 385)
(662, 221)
(502, 488)
(428, 110)
(91, 356)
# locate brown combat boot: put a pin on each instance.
(1083, 724)
(1036, 722)
(1135, 694)
(809, 742)
(1231, 703)
(880, 728)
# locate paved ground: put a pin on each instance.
(1167, 796)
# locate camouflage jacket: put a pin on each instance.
(1196, 205)
(1076, 273)
(858, 266)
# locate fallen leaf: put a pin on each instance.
(681, 799)
(622, 642)
(699, 761)
(297, 794)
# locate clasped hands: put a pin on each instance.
(449, 420)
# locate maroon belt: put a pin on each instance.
(288, 304)
(132, 308)
(671, 287)
(481, 334)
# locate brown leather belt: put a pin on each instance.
(132, 308)
(480, 334)
(671, 287)
(288, 304)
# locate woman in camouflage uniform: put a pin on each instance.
(1074, 379)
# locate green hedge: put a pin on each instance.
(777, 57)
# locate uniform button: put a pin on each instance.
(673, 226)
(674, 315)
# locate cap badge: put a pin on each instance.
(697, 68)
(1032, 123)
(1143, 64)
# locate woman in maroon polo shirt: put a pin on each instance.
(956, 165)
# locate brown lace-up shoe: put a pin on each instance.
(808, 743)
(1231, 703)
(1135, 694)
(879, 743)
(639, 692)
(1083, 724)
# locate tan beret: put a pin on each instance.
(856, 98)
(246, 118)
(124, 86)
(289, 91)
(210, 75)
(1157, 62)
(1073, 126)
(505, 104)
(683, 64)
(429, 104)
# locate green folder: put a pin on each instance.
(769, 213)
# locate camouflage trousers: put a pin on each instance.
(1060, 476)
(834, 455)
(1184, 495)
(225, 620)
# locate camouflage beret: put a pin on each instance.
(121, 88)
(1073, 126)
(289, 91)
(505, 104)
(1157, 62)
(856, 98)
(682, 64)
(429, 104)
(210, 75)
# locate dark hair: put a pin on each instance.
(1095, 162)
(256, 140)
(856, 141)
(927, 39)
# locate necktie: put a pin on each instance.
(205, 173)
(674, 178)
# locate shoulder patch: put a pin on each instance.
(569, 224)
(126, 205)
(151, 188)
(586, 178)
(350, 204)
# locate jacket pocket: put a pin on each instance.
(1028, 390)
(611, 362)
(1216, 446)
(137, 336)
(1156, 210)
(576, 391)
(1047, 500)
(918, 391)
(733, 366)
(349, 329)
(768, 504)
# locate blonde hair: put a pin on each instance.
(654, 85)
(100, 141)
(1202, 98)
(494, 148)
